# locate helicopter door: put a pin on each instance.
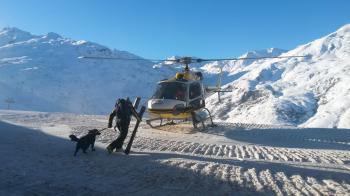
(196, 95)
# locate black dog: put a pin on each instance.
(85, 141)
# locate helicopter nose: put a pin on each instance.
(158, 101)
(163, 104)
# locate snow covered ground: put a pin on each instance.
(231, 159)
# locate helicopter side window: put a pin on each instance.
(170, 90)
(195, 90)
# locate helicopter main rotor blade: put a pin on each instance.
(126, 59)
(249, 58)
(189, 60)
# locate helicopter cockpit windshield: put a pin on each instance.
(171, 90)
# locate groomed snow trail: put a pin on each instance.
(262, 180)
(231, 159)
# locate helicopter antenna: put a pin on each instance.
(219, 84)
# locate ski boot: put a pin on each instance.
(109, 149)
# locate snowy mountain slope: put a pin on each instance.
(28, 100)
(45, 71)
(13, 35)
(312, 91)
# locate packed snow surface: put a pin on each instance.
(230, 159)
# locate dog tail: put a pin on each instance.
(74, 138)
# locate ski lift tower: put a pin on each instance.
(9, 101)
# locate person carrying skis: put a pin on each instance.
(122, 112)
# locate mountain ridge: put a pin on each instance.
(309, 91)
(48, 67)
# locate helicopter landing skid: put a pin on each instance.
(154, 119)
(199, 117)
(161, 124)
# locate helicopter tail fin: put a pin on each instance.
(218, 85)
(217, 88)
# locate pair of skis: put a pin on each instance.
(138, 116)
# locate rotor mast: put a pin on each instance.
(186, 61)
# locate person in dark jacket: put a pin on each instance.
(122, 112)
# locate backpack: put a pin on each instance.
(123, 109)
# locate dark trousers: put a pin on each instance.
(123, 129)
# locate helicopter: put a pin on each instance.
(182, 97)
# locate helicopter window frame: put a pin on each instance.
(197, 92)
(175, 91)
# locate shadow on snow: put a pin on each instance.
(36, 163)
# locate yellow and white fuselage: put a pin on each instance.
(176, 93)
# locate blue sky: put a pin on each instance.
(162, 28)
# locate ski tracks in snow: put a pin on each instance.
(263, 181)
(259, 169)
(243, 152)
